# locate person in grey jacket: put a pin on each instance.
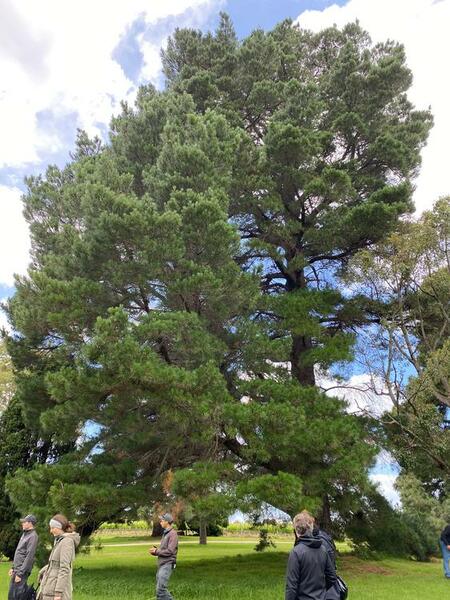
(56, 577)
(310, 571)
(23, 558)
(167, 557)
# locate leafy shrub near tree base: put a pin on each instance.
(378, 528)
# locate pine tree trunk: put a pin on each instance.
(325, 515)
(157, 530)
(202, 533)
(87, 529)
(303, 373)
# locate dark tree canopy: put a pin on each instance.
(185, 288)
(21, 448)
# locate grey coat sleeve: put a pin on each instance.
(172, 545)
(27, 565)
(330, 573)
(65, 565)
(292, 577)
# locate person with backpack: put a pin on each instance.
(339, 591)
(333, 593)
(23, 559)
(56, 577)
(310, 570)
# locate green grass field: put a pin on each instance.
(231, 570)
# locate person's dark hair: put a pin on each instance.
(67, 526)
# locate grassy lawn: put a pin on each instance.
(229, 570)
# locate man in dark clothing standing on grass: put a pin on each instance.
(310, 571)
(23, 559)
(445, 547)
(167, 557)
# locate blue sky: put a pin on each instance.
(252, 14)
(247, 15)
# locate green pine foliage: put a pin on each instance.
(185, 285)
(21, 449)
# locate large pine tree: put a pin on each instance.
(185, 287)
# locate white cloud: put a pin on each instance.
(363, 393)
(422, 26)
(3, 318)
(385, 484)
(57, 56)
(152, 59)
(14, 238)
(358, 392)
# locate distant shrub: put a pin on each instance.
(377, 527)
(265, 541)
(125, 525)
(272, 528)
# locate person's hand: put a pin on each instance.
(17, 579)
(448, 547)
(58, 598)
(153, 550)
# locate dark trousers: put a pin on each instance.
(17, 590)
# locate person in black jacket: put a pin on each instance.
(333, 593)
(445, 547)
(327, 542)
(23, 559)
(310, 570)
